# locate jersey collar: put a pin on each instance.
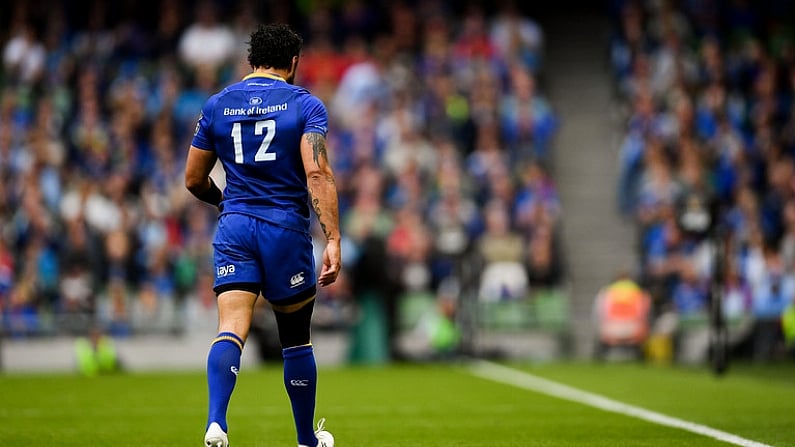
(264, 75)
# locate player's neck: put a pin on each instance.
(282, 74)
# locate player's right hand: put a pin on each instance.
(332, 264)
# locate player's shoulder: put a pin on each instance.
(296, 93)
(231, 88)
(230, 92)
(304, 95)
(219, 94)
(300, 90)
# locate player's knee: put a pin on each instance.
(294, 327)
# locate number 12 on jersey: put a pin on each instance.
(264, 128)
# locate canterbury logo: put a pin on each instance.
(297, 279)
(234, 370)
(299, 382)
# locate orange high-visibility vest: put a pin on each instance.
(623, 312)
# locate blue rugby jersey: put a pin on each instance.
(255, 128)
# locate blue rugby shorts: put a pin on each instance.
(249, 251)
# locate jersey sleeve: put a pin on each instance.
(315, 115)
(202, 136)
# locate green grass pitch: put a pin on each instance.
(404, 405)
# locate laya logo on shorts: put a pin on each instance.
(297, 280)
(226, 270)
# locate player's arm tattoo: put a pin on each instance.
(318, 143)
(319, 212)
(323, 188)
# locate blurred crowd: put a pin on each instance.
(440, 136)
(707, 158)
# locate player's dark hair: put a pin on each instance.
(273, 46)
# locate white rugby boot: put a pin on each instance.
(215, 436)
(324, 438)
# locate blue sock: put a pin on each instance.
(300, 379)
(223, 363)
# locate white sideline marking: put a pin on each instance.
(524, 380)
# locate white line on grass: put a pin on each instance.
(524, 380)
